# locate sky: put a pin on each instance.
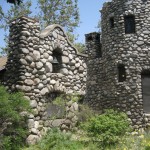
(89, 17)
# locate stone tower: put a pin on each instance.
(123, 70)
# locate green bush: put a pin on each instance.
(107, 128)
(85, 113)
(13, 115)
(57, 140)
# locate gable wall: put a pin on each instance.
(29, 68)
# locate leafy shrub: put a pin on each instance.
(57, 140)
(64, 98)
(13, 129)
(107, 128)
(85, 113)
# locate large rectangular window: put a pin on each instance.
(129, 24)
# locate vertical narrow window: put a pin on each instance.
(98, 51)
(146, 90)
(129, 24)
(111, 21)
(57, 62)
(121, 73)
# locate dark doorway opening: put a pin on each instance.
(146, 91)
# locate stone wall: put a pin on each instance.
(30, 68)
(118, 48)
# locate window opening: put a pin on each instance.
(112, 24)
(129, 24)
(121, 73)
(57, 62)
(98, 52)
(146, 90)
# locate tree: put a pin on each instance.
(14, 109)
(14, 12)
(63, 12)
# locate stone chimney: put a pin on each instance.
(93, 45)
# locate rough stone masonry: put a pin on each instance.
(43, 64)
(119, 65)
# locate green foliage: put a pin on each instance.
(56, 140)
(80, 47)
(13, 116)
(13, 12)
(107, 128)
(134, 141)
(64, 98)
(85, 113)
(63, 12)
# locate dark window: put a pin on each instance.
(129, 24)
(111, 21)
(89, 38)
(98, 51)
(2, 74)
(146, 90)
(57, 62)
(121, 73)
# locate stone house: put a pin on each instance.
(119, 60)
(43, 64)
